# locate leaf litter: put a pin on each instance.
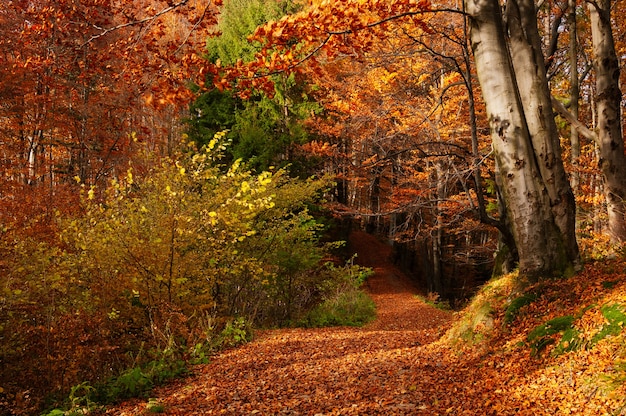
(399, 364)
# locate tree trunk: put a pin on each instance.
(542, 245)
(608, 98)
(574, 94)
(436, 285)
(530, 74)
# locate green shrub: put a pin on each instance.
(434, 299)
(236, 332)
(143, 263)
(354, 308)
(343, 303)
(154, 406)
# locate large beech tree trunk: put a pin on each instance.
(530, 74)
(525, 145)
(608, 98)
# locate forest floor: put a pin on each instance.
(400, 364)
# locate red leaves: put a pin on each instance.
(82, 68)
(331, 27)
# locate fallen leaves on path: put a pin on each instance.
(397, 365)
(367, 370)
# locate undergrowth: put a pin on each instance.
(138, 381)
(575, 323)
(355, 308)
(345, 303)
(476, 320)
(434, 299)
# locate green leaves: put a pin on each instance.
(616, 320)
(266, 125)
(193, 235)
(541, 336)
(563, 332)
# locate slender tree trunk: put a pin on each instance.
(574, 94)
(436, 285)
(542, 246)
(608, 99)
(373, 221)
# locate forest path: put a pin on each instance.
(388, 367)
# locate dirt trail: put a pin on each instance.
(391, 289)
(383, 368)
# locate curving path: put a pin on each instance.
(384, 368)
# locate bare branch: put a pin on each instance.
(195, 26)
(395, 17)
(580, 127)
(105, 31)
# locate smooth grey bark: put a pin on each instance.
(540, 239)
(530, 74)
(609, 128)
(576, 124)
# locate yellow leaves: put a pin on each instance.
(389, 77)
(211, 144)
(213, 218)
(234, 168)
(113, 314)
(277, 32)
(265, 178)
(382, 79)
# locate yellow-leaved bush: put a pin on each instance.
(156, 262)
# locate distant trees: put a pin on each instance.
(84, 86)
(74, 98)
(537, 215)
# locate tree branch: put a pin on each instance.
(395, 17)
(105, 31)
(580, 127)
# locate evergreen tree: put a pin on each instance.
(262, 129)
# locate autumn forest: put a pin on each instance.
(176, 175)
